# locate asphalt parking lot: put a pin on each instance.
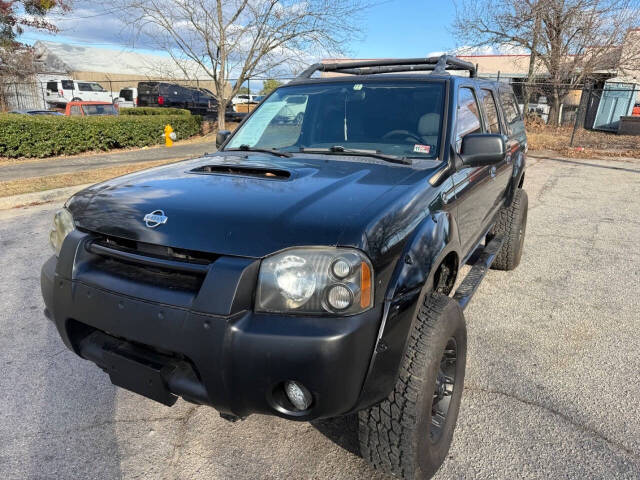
(552, 385)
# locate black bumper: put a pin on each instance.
(206, 345)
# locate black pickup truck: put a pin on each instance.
(307, 268)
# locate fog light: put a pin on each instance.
(298, 395)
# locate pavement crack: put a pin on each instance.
(585, 429)
(180, 439)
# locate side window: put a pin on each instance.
(67, 84)
(75, 111)
(511, 113)
(491, 111)
(468, 118)
(126, 94)
(84, 87)
(52, 86)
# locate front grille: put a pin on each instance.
(166, 267)
(156, 251)
(158, 277)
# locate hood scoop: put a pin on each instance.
(245, 171)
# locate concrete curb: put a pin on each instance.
(46, 196)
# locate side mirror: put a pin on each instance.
(221, 137)
(480, 149)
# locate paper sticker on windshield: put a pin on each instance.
(357, 86)
(421, 148)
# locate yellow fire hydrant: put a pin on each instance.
(169, 136)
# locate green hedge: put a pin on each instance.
(154, 111)
(46, 136)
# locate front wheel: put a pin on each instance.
(410, 432)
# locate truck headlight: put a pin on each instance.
(315, 281)
(62, 226)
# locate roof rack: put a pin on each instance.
(437, 65)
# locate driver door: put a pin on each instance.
(472, 185)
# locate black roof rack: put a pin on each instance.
(437, 65)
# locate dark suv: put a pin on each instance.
(161, 94)
(307, 268)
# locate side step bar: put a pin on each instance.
(478, 270)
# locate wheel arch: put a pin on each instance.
(433, 247)
(517, 178)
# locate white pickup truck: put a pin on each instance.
(59, 92)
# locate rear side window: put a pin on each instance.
(99, 110)
(511, 113)
(52, 86)
(75, 111)
(491, 111)
(468, 118)
(127, 94)
(148, 88)
(67, 84)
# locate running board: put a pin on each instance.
(478, 270)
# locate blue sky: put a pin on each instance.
(406, 28)
(394, 28)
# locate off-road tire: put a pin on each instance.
(395, 435)
(512, 226)
(76, 99)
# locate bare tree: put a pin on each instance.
(570, 39)
(242, 38)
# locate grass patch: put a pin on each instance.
(39, 184)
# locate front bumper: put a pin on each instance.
(206, 345)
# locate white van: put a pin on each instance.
(63, 91)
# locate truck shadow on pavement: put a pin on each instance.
(343, 431)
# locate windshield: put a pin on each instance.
(391, 117)
(106, 109)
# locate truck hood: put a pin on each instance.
(246, 205)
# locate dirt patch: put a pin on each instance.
(39, 184)
(587, 143)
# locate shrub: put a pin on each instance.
(46, 136)
(154, 111)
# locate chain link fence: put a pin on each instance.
(43, 94)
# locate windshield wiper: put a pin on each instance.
(247, 148)
(339, 149)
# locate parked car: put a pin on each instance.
(162, 94)
(59, 92)
(127, 98)
(307, 270)
(90, 109)
(246, 98)
(36, 112)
